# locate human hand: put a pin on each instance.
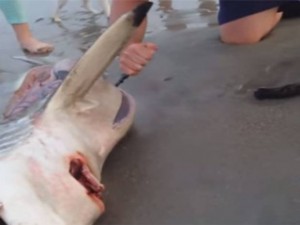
(136, 56)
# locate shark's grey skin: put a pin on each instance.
(51, 176)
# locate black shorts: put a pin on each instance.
(235, 9)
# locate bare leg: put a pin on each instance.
(106, 6)
(28, 42)
(15, 15)
(61, 4)
(250, 29)
(87, 5)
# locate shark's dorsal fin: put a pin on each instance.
(95, 61)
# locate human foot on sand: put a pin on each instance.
(28, 42)
(34, 46)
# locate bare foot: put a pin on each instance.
(34, 46)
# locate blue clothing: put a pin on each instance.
(231, 10)
(13, 11)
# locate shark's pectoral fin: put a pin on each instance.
(37, 84)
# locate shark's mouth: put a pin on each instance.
(82, 173)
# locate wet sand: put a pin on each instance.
(202, 150)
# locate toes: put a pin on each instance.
(39, 49)
(45, 49)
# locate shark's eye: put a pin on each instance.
(123, 110)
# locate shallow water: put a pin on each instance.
(180, 14)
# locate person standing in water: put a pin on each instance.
(13, 11)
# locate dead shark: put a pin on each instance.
(57, 132)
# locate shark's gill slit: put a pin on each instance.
(123, 110)
(81, 172)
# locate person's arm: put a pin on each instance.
(119, 7)
(136, 54)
